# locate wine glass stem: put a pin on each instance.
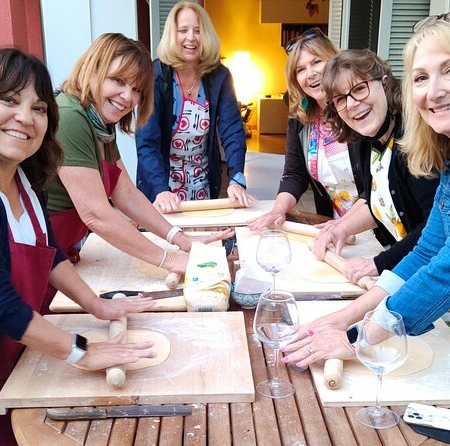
(276, 364)
(273, 281)
(379, 382)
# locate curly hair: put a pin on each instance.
(322, 47)
(425, 149)
(362, 64)
(17, 71)
(169, 50)
(135, 64)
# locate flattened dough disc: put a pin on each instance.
(420, 357)
(321, 272)
(161, 347)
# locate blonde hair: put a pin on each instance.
(321, 46)
(169, 51)
(425, 149)
(136, 64)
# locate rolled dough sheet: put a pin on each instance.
(420, 357)
(161, 346)
(209, 213)
(321, 272)
(153, 271)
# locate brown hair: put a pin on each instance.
(136, 64)
(168, 48)
(363, 64)
(322, 47)
(17, 71)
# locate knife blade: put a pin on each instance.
(163, 294)
(135, 411)
(305, 296)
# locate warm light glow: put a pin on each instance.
(246, 76)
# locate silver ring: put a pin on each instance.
(310, 350)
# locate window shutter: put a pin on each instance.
(405, 13)
(335, 20)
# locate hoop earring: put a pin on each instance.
(305, 102)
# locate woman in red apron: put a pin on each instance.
(29, 258)
(110, 80)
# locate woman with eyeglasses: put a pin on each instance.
(313, 156)
(418, 287)
(365, 105)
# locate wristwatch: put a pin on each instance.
(352, 334)
(79, 348)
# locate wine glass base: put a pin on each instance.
(275, 389)
(377, 417)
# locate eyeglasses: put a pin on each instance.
(358, 93)
(430, 20)
(309, 34)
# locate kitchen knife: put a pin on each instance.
(163, 294)
(98, 413)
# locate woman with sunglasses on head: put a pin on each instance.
(313, 156)
(196, 114)
(93, 190)
(417, 288)
(365, 105)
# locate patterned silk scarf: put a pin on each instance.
(105, 133)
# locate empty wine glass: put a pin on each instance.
(273, 252)
(276, 324)
(382, 347)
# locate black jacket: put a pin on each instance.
(296, 177)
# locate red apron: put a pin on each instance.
(67, 225)
(30, 272)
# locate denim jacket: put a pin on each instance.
(426, 295)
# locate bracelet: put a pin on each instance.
(161, 263)
(171, 234)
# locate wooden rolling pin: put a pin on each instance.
(116, 375)
(172, 280)
(338, 262)
(332, 373)
(205, 205)
(308, 230)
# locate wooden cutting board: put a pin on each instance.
(236, 217)
(208, 362)
(295, 277)
(105, 268)
(429, 385)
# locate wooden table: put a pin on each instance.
(297, 420)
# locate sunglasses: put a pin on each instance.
(309, 34)
(430, 20)
(358, 92)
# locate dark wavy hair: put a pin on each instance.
(362, 64)
(17, 71)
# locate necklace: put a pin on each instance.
(189, 92)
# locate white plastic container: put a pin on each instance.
(207, 282)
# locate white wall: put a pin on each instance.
(70, 26)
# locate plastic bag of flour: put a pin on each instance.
(207, 281)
